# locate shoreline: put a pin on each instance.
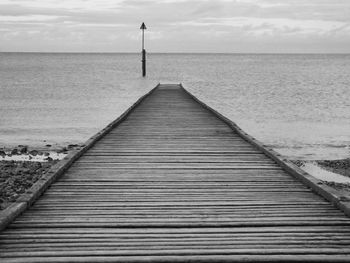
(28, 153)
(334, 173)
(341, 166)
(22, 166)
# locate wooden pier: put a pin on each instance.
(172, 181)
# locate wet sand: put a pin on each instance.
(335, 173)
(337, 166)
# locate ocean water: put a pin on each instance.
(297, 104)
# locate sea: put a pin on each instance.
(298, 104)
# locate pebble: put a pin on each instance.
(24, 150)
(16, 177)
(33, 152)
(63, 150)
(345, 163)
(13, 197)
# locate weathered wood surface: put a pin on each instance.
(175, 183)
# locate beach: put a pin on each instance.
(341, 167)
(337, 166)
(16, 177)
(22, 166)
(334, 173)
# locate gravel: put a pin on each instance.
(18, 176)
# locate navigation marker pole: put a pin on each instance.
(143, 27)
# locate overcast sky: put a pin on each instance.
(275, 26)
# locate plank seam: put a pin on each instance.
(338, 199)
(9, 214)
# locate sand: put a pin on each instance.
(337, 166)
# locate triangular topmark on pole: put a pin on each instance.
(143, 27)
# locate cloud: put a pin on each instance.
(27, 18)
(220, 23)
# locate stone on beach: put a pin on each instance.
(70, 146)
(33, 152)
(23, 150)
(14, 152)
(17, 177)
(63, 150)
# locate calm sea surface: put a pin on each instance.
(298, 104)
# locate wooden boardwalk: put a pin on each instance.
(175, 183)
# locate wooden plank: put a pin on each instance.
(184, 258)
(58, 169)
(177, 182)
(178, 252)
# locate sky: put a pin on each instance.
(223, 26)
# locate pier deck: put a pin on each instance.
(173, 182)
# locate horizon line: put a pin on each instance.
(199, 53)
